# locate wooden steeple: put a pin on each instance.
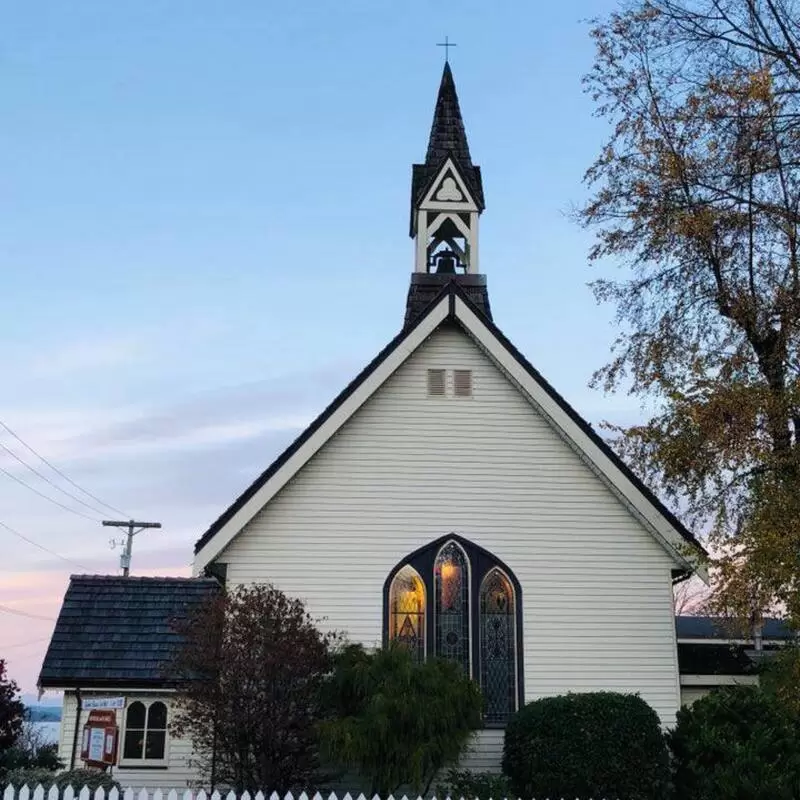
(446, 202)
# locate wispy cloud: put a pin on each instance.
(81, 356)
(180, 462)
(211, 419)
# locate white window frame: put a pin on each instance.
(143, 762)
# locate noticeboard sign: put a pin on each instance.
(102, 702)
(99, 743)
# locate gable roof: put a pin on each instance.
(453, 305)
(117, 632)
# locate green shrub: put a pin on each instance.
(77, 778)
(93, 778)
(395, 722)
(467, 784)
(736, 742)
(32, 776)
(600, 744)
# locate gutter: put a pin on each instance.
(75, 731)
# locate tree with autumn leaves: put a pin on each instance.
(697, 195)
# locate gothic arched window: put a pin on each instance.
(498, 646)
(455, 600)
(407, 611)
(451, 613)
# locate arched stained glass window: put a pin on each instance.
(498, 646)
(455, 600)
(451, 584)
(407, 611)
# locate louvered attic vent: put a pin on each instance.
(436, 382)
(462, 382)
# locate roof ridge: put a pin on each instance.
(88, 577)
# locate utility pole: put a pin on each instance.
(133, 528)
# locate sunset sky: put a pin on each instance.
(203, 237)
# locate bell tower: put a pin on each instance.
(446, 204)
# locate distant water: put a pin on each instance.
(49, 730)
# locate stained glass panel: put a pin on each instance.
(407, 611)
(498, 652)
(451, 581)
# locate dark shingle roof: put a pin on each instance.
(448, 138)
(718, 628)
(114, 631)
(426, 287)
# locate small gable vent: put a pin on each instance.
(436, 383)
(462, 382)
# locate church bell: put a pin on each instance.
(446, 263)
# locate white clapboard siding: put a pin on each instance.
(177, 774)
(408, 468)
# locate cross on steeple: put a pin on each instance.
(447, 44)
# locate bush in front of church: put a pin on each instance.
(76, 778)
(598, 744)
(736, 742)
(397, 722)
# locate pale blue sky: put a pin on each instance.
(203, 236)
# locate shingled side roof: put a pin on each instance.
(689, 627)
(117, 632)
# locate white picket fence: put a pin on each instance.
(70, 793)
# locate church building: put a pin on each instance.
(448, 497)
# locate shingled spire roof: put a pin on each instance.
(448, 136)
(448, 139)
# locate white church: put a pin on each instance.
(448, 497)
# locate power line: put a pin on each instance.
(47, 497)
(9, 610)
(42, 547)
(47, 480)
(59, 472)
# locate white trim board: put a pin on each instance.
(719, 680)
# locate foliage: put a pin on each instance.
(27, 776)
(780, 677)
(395, 721)
(30, 753)
(77, 778)
(599, 744)
(468, 784)
(249, 675)
(736, 742)
(697, 193)
(12, 710)
(84, 776)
